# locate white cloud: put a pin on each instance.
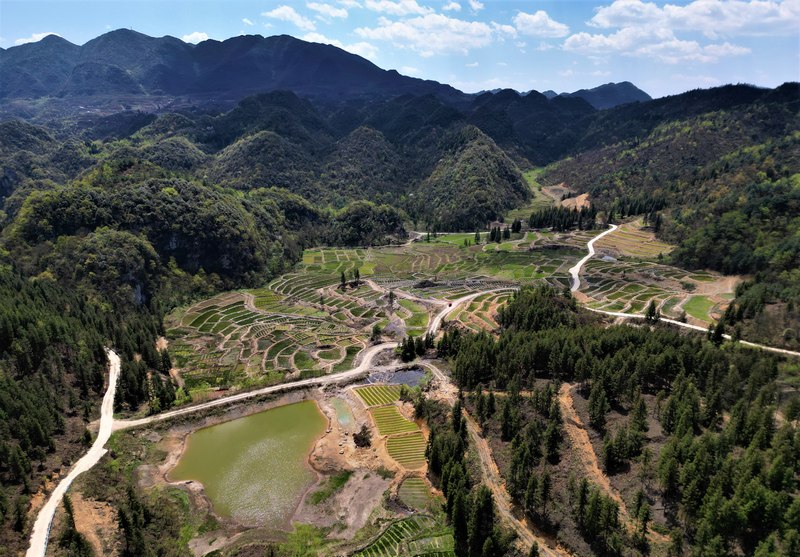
(473, 65)
(451, 7)
(410, 70)
(475, 5)
(647, 42)
(397, 7)
(544, 47)
(502, 64)
(363, 49)
(710, 17)
(196, 37)
(539, 24)
(246, 21)
(503, 29)
(287, 13)
(431, 34)
(34, 38)
(326, 10)
(350, 3)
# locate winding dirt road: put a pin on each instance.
(41, 528)
(575, 271)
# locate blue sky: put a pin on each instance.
(663, 47)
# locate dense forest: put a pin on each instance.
(691, 422)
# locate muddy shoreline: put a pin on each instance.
(343, 514)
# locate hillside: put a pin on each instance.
(723, 166)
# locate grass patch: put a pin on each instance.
(334, 484)
(698, 307)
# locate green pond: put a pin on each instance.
(343, 413)
(254, 469)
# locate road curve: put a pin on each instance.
(576, 270)
(782, 351)
(41, 528)
(366, 361)
(366, 358)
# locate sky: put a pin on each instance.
(564, 45)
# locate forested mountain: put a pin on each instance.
(127, 63)
(611, 95)
(605, 96)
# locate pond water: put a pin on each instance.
(411, 377)
(343, 413)
(254, 469)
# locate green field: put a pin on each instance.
(698, 307)
(390, 421)
(424, 532)
(539, 200)
(415, 493)
(378, 395)
(408, 450)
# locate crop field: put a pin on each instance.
(631, 240)
(427, 535)
(415, 493)
(378, 395)
(304, 323)
(408, 450)
(390, 421)
(698, 307)
(479, 315)
(415, 317)
(630, 285)
(260, 337)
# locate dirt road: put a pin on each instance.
(41, 528)
(494, 481)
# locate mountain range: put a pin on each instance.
(125, 63)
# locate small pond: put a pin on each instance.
(254, 469)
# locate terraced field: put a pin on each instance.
(408, 450)
(390, 421)
(417, 535)
(630, 285)
(415, 493)
(378, 395)
(305, 323)
(479, 315)
(633, 240)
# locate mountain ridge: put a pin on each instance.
(127, 62)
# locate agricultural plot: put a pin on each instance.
(378, 395)
(699, 307)
(261, 337)
(632, 240)
(408, 450)
(415, 317)
(480, 314)
(415, 493)
(630, 285)
(396, 539)
(390, 421)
